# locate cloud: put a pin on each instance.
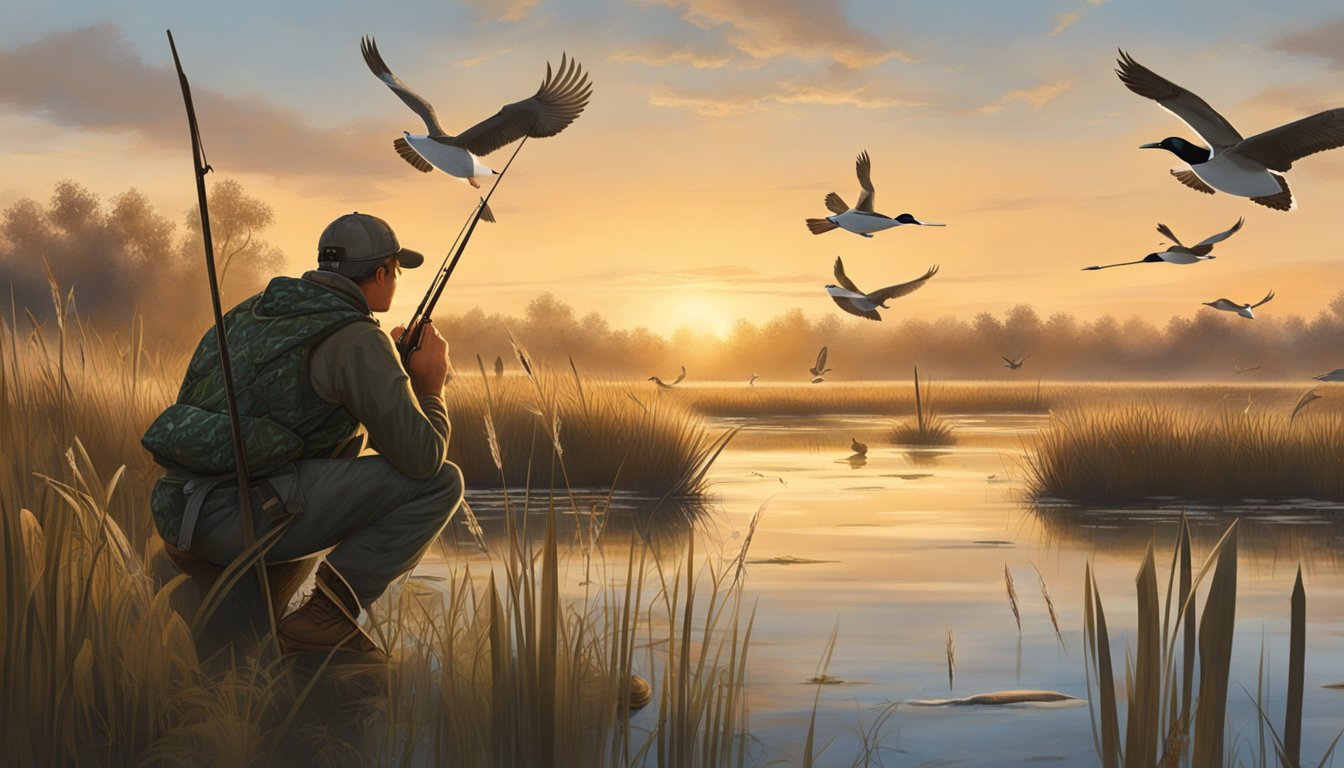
(835, 88)
(802, 29)
(1325, 41)
(92, 79)
(487, 11)
(476, 61)
(1065, 20)
(662, 53)
(1037, 97)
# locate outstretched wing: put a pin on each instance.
(864, 168)
(843, 279)
(1220, 237)
(896, 291)
(409, 154)
(835, 204)
(846, 300)
(1268, 297)
(556, 104)
(1167, 233)
(1278, 148)
(680, 376)
(1203, 119)
(1224, 304)
(821, 361)
(418, 105)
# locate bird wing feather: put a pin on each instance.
(413, 100)
(849, 307)
(821, 361)
(863, 167)
(1268, 297)
(1191, 180)
(409, 154)
(1220, 237)
(680, 376)
(1278, 148)
(843, 279)
(1226, 304)
(1167, 233)
(835, 204)
(557, 103)
(1203, 119)
(896, 291)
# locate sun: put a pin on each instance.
(702, 315)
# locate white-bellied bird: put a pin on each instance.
(1245, 310)
(861, 219)
(1178, 253)
(854, 301)
(1230, 163)
(557, 103)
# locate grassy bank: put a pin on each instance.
(1130, 453)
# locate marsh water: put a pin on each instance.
(909, 544)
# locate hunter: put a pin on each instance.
(314, 375)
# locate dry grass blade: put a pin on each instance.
(951, 658)
(1050, 608)
(1297, 660)
(1145, 695)
(1012, 597)
(1215, 655)
(1099, 647)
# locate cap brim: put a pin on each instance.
(409, 259)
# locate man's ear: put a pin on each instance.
(380, 275)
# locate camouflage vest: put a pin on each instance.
(270, 337)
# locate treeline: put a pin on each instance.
(1209, 345)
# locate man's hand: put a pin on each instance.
(428, 364)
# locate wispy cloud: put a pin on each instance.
(832, 88)
(803, 29)
(476, 61)
(1037, 97)
(1065, 20)
(662, 53)
(92, 79)
(501, 10)
(1325, 41)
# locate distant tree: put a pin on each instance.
(237, 222)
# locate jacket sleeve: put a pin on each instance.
(358, 368)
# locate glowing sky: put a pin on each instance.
(715, 128)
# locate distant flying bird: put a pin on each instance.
(1335, 375)
(1014, 364)
(1237, 166)
(854, 301)
(556, 104)
(861, 220)
(753, 379)
(1241, 370)
(1245, 310)
(859, 449)
(818, 379)
(674, 383)
(819, 368)
(1303, 401)
(499, 367)
(1180, 254)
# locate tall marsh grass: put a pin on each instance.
(1131, 453)
(928, 427)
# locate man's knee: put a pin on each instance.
(448, 483)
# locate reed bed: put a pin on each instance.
(928, 429)
(1132, 453)
(609, 435)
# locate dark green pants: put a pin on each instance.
(379, 521)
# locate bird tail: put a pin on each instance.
(817, 226)
(486, 213)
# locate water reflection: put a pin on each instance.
(1277, 533)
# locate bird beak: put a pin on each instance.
(930, 223)
(1150, 146)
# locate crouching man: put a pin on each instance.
(313, 374)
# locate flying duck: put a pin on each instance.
(1237, 166)
(861, 220)
(848, 297)
(1245, 310)
(819, 369)
(556, 104)
(1008, 362)
(674, 383)
(1180, 254)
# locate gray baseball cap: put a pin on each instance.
(356, 243)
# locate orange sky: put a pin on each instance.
(678, 198)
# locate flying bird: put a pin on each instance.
(819, 369)
(557, 103)
(1008, 362)
(1241, 370)
(859, 449)
(752, 380)
(861, 219)
(1335, 375)
(1245, 310)
(848, 297)
(674, 383)
(1178, 253)
(1303, 401)
(1237, 166)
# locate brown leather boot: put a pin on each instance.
(329, 619)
